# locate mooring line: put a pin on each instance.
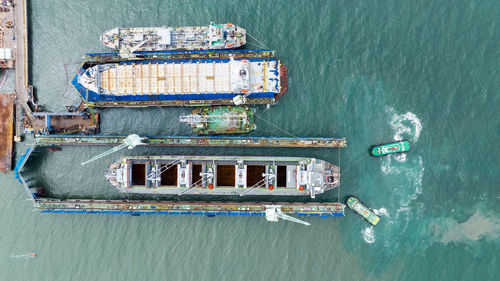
(67, 78)
(356, 162)
(276, 127)
(263, 45)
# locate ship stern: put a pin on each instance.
(283, 81)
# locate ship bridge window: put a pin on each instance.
(226, 175)
(138, 174)
(281, 176)
(169, 177)
(254, 174)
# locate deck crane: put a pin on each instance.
(274, 213)
(127, 53)
(130, 141)
(267, 177)
(157, 169)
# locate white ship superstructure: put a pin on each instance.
(211, 37)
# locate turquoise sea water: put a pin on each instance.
(371, 71)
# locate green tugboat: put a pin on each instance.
(216, 120)
(362, 210)
(390, 148)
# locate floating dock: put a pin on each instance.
(44, 123)
(101, 58)
(6, 130)
(322, 210)
(272, 211)
(59, 140)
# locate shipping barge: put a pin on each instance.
(216, 120)
(213, 36)
(188, 82)
(223, 175)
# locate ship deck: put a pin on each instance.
(224, 120)
(164, 77)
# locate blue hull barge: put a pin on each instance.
(182, 82)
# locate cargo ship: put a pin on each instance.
(223, 175)
(182, 82)
(390, 148)
(216, 120)
(362, 210)
(211, 37)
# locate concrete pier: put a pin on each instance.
(21, 65)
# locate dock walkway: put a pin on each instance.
(57, 140)
(21, 65)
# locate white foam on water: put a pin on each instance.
(368, 235)
(403, 125)
(387, 168)
(381, 212)
(401, 157)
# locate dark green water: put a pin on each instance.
(371, 71)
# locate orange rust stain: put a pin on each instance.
(6, 130)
